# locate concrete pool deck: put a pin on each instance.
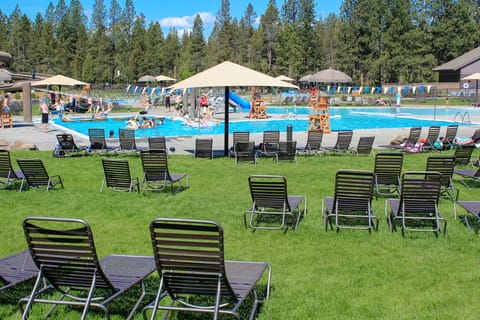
(33, 134)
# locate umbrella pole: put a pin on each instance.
(227, 105)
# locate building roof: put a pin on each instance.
(460, 62)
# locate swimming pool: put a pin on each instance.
(341, 119)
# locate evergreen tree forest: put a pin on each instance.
(374, 41)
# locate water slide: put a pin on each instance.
(239, 102)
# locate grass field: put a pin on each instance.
(316, 274)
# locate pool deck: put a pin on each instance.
(33, 134)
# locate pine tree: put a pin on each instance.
(198, 46)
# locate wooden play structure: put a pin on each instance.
(319, 119)
(258, 109)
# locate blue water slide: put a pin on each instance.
(242, 103)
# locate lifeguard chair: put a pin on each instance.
(319, 119)
(259, 109)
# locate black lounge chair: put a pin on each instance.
(473, 174)
(117, 176)
(342, 145)
(287, 151)
(64, 252)
(8, 175)
(156, 176)
(66, 146)
(270, 144)
(36, 176)
(387, 171)
(463, 155)
(190, 262)
(98, 143)
(270, 199)
(203, 148)
(127, 140)
(450, 135)
(432, 137)
(417, 208)
(444, 164)
(350, 207)
(314, 142)
(239, 136)
(157, 143)
(365, 146)
(245, 152)
(414, 135)
(472, 208)
(16, 269)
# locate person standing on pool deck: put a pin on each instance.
(167, 102)
(44, 107)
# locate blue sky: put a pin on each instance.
(178, 13)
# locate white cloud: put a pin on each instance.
(186, 22)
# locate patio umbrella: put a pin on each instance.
(147, 78)
(475, 76)
(228, 74)
(161, 78)
(306, 78)
(58, 80)
(330, 75)
(285, 78)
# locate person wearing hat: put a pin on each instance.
(44, 108)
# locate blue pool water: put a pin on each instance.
(341, 119)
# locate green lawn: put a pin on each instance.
(316, 274)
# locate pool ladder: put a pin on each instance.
(290, 114)
(462, 117)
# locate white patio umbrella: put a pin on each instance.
(475, 76)
(228, 74)
(285, 78)
(161, 78)
(147, 78)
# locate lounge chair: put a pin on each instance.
(287, 151)
(463, 155)
(449, 139)
(314, 142)
(157, 143)
(417, 208)
(16, 269)
(35, 175)
(190, 262)
(270, 199)
(473, 174)
(350, 207)
(239, 136)
(245, 152)
(127, 140)
(156, 176)
(387, 171)
(117, 176)
(432, 137)
(8, 175)
(270, 144)
(414, 135)
(64, 252)
(472, 208)
(344, 138)
(98, 143)
(66, 146)
(203, 148)
(365, 146)
(444, 164)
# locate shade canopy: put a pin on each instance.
(58, 80)
(161, 78)
(229, 74)
(147, 78)
(285, 78)
(474, 76)
(306, 78)
(330, 75)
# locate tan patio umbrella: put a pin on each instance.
(285, 78)
(330, 75)
(58, 80)
(161, 78)
(475, 76)
(228, 74)
(306, 78)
